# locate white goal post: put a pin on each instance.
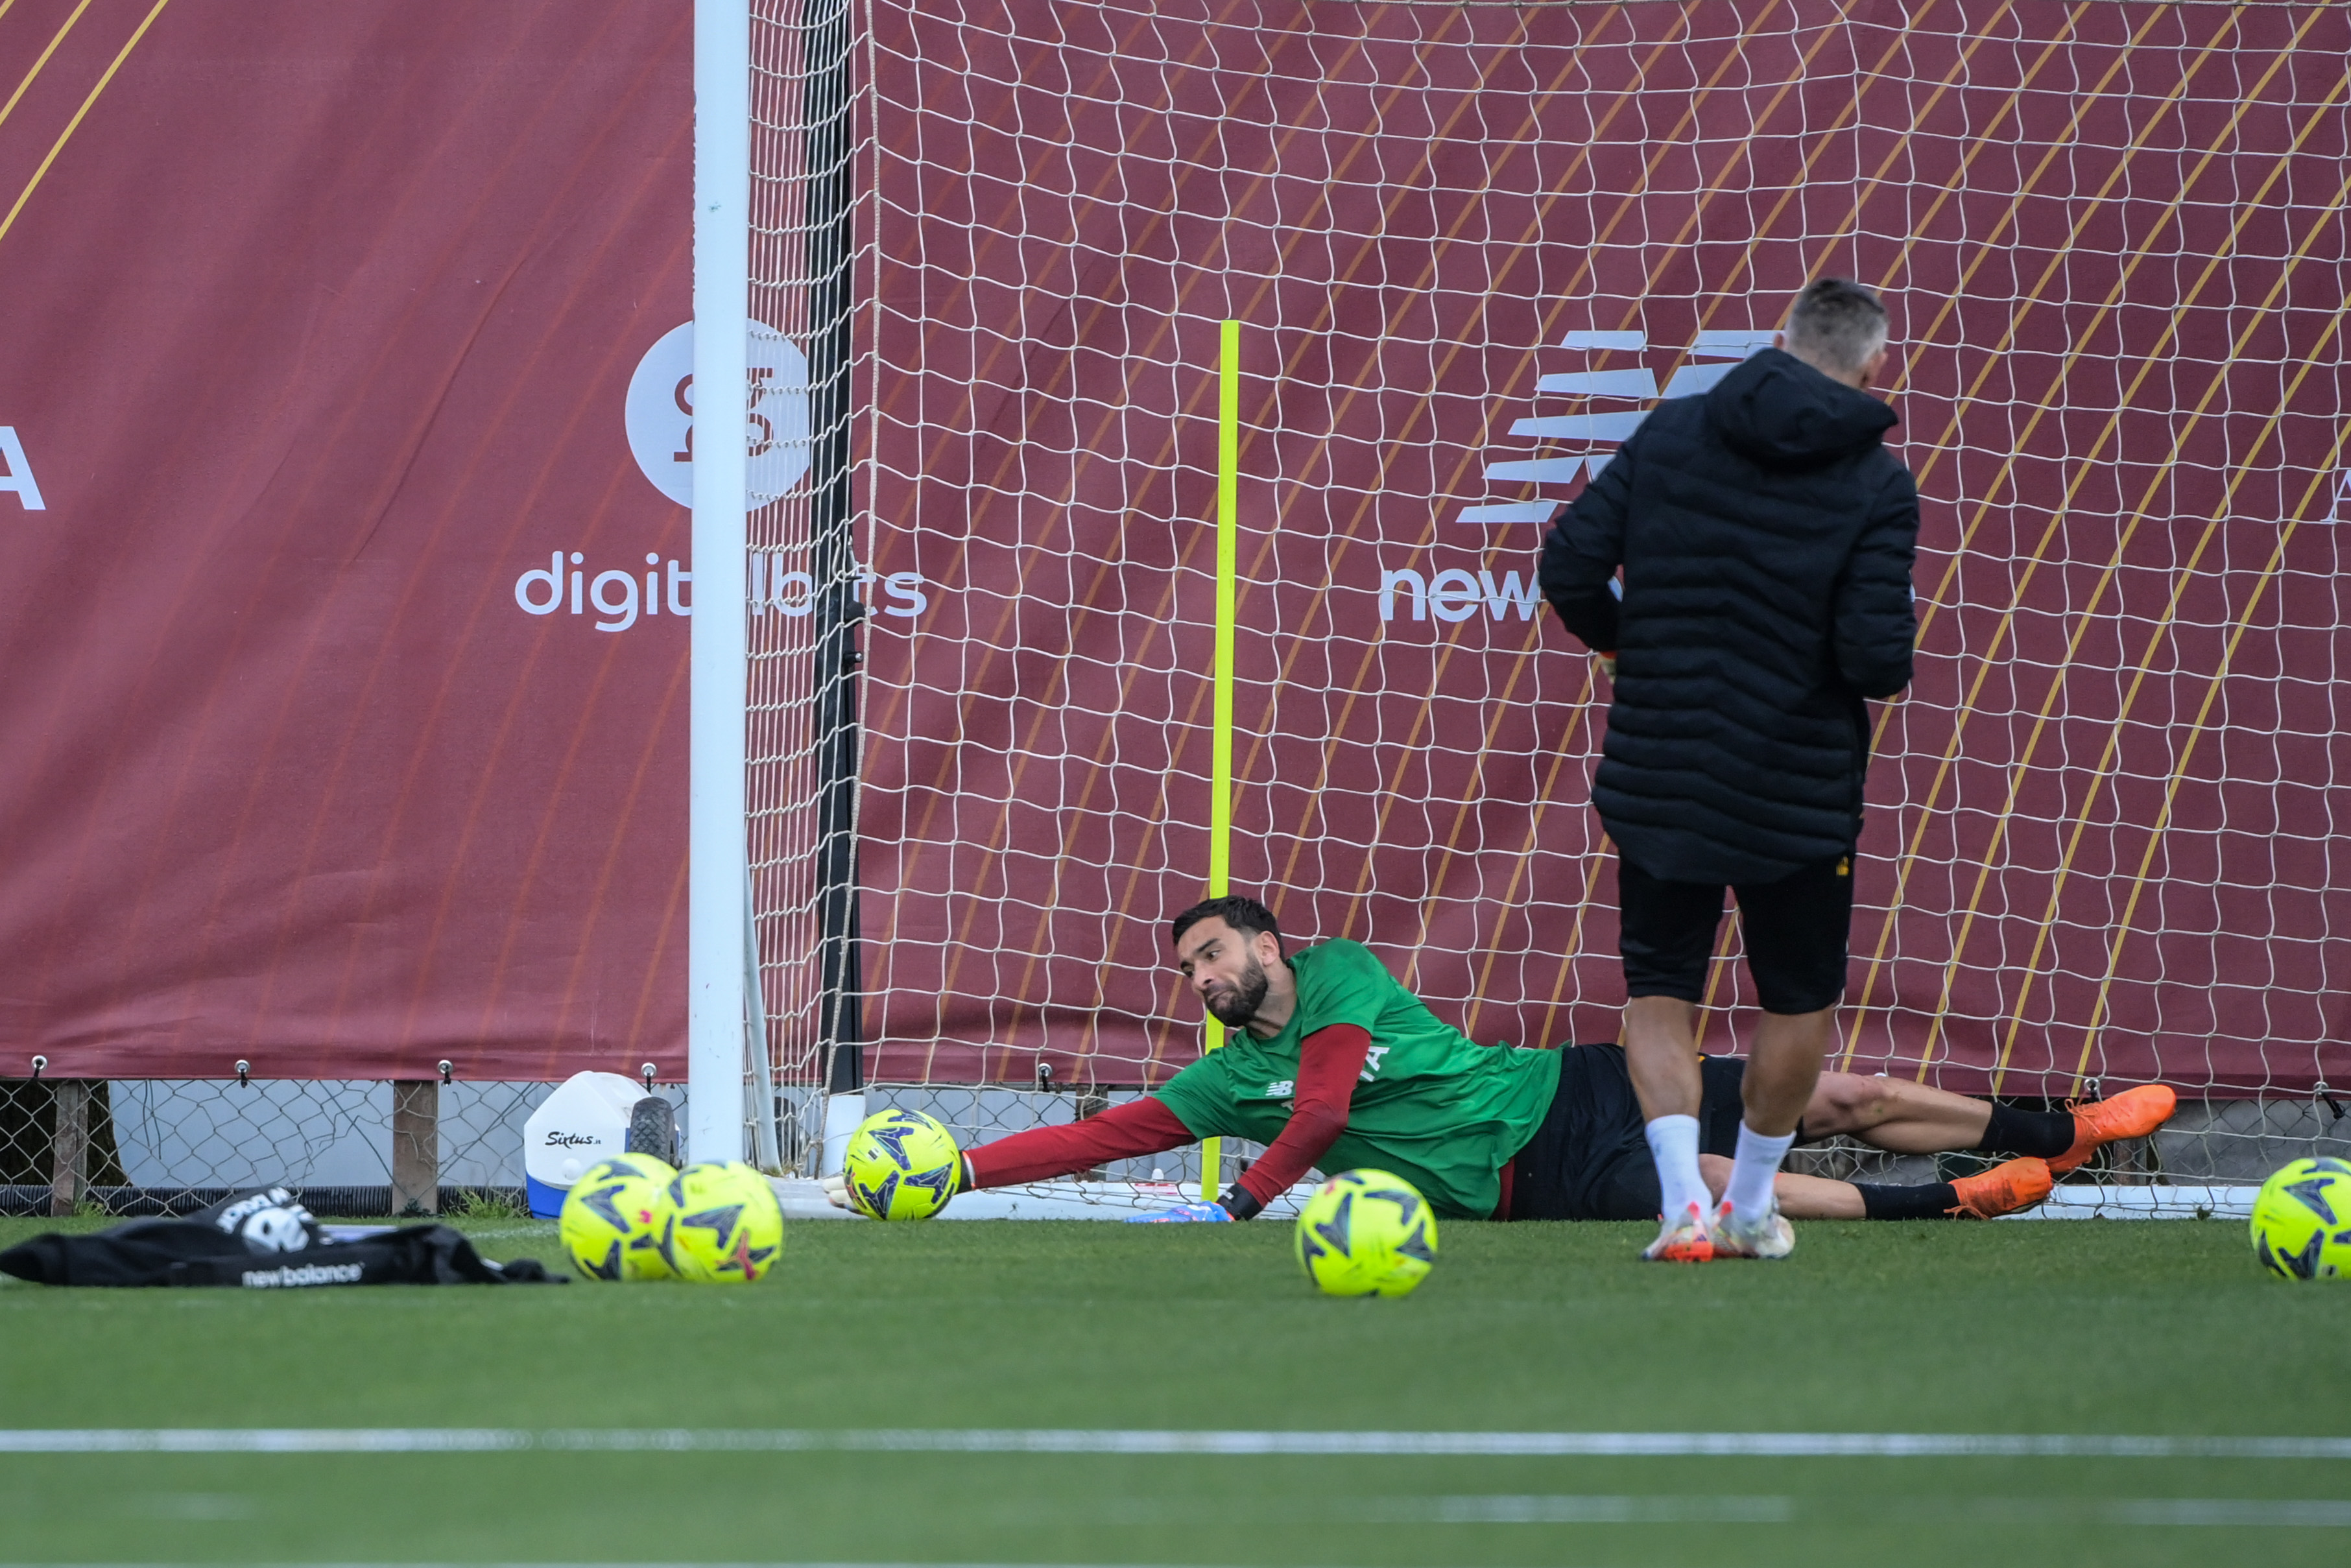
(717, 870)
(772, 940)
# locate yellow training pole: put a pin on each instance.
(1220, 742)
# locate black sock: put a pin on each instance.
(1928, 1202)
(2044, 1133)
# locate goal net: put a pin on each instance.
(1469, 247)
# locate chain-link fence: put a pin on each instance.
(171, 1145)
(351, 1146)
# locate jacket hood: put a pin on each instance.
(1778, 412)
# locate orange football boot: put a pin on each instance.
(2006, 1188)
(2133, 1113)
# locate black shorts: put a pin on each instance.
(1795, 930)
(1590, 1160)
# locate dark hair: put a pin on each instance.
(1838, 321)
(1246, 915)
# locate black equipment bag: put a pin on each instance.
(262, 1240)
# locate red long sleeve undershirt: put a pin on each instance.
(1329, 1062)
(1144, 1126)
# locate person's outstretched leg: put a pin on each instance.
(1906, 1118)
(2007, 1187)
(1798, 1196)
(1909, 1118)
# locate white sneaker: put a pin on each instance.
(1686, 1238)
(1770, 1237)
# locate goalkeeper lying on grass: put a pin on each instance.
(1333, 1064)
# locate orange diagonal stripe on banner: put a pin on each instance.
(886, 717)
(1390, 794)
(1919, 116)
(1682, 241)
(1367, 251)
(2154, 839)
(1987, 247)
(1978, 142)
(2181, 579)
(75, 124)
(1721, 182)
(1992, 244)
(995, 852)
(1948, 441)
(1000, 641)
(8, 108)
(2155, 356)
(1144, 844)
(1712, 188)
(1347, 537)
(961, 413)
(1251, 310)
(1730, 935)
(1101, 764)
(1372, 650)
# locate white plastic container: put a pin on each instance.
(585, 1120)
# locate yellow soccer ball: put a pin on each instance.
(730, 1227)
(1366, 1233)
(901, 1164)
(618, 1223)
(2302, 1220)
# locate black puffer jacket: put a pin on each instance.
(1766, 538)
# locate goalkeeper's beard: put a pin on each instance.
(1236, 1007)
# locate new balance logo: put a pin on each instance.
(1457, 594)
(1609, 406)
(309, 1274)
(1596, 429)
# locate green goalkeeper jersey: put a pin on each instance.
(1431, 1104)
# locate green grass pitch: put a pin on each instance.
(2077, 1328)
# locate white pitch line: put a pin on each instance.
(1589, 1509)
(1048, 1440)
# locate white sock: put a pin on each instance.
(1750, 1193)
(1673, 1143)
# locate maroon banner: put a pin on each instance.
(2104, 821)
(320, 325)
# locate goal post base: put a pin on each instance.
(2151, 1200)
(804, 1199)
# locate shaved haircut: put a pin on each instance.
(1837, 324)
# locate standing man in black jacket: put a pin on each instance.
(1766, 538)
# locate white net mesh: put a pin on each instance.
(1469, 247)
(800, 146)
